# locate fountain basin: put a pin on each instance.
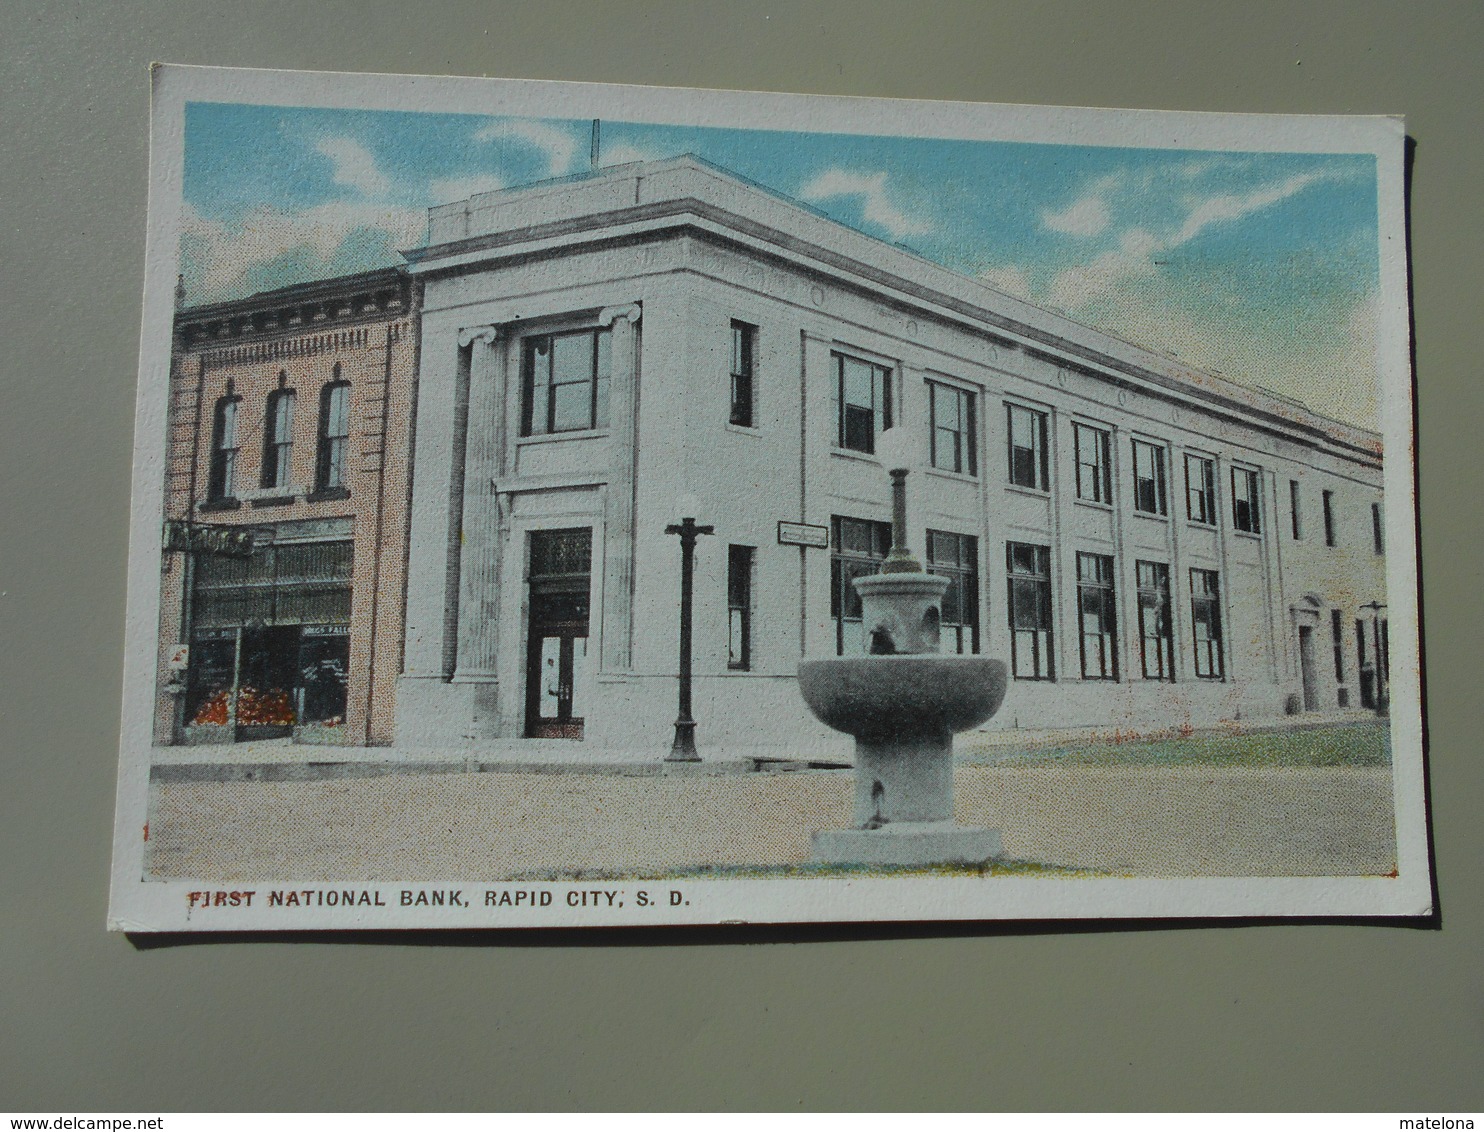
(881, 698)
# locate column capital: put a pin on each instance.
(609, 315)
(489, 335)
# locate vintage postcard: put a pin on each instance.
(561, 504)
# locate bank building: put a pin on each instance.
(1146, 545)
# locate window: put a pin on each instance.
(858, 548)
(1156, 630)
(1378, 535)
(1027, 434)
(1094, 481)
(1098, 619)
(565, 381)
(1329, 518)
(744, 352)
(956, 557)
(739, 607)
(1245, 507)
(863, 402)
(1294, 509)
(952, 438)
(1029, 569)
(278, 438)
(1365, 668)
(1149, 478)
(1200, 489)
(223, 477)
(334, 433)
(1205, 608)
(1337, 634)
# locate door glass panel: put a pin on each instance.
(548, 698)
(579, 678)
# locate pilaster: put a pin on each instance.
(618, 545)
(479, 560)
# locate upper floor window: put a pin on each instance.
(952, 436)
(1328, 499)
(222, 481)
(1094, 479)
(1295, 510)
(1205, 613)
(565, 380)
(1099, 619)
(956, 557)
(1029, 569)
(744, 354)
(857, 548)
(1156, 628)
(334, 436)
(1027, 447)
(1200, 489)
(1378, 533)
(1149, 478)
(863, 402)
(1245, 507)
(278, 438)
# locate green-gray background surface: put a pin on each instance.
(1256, 1016)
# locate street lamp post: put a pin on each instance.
(683, 749)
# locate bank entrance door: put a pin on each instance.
(1307, 671)
(556, 653)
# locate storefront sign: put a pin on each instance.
(235, 542)
(802, 534)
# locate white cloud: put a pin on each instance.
(559, 146)
(1229, 207)
(1085, 217)
(876, 208)
(219, 259)
(354, 166)
(448, 189)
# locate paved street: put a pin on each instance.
(1140, 820)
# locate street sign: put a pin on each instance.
(802, 534)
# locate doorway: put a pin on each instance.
(557, 632)
(1307, 667)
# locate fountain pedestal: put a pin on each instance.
(903, 711)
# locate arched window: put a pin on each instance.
(334, 435)
(222, 483)
(278, 438)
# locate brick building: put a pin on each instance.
(285, 513)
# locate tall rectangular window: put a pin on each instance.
(1329, 518)
(1295, 510)
(278, 438)
(744, 355)
(1200, 489)
(565, 380)
(1094, 465)
(1337, 635)
(1029, 570)
(952, 423)
(1156, 628)
(1027, 448)
(334, 436)
(1149, 478)
(222, 480)
(1378, 533)
(1099, 620)
(956, 557)
(1365, 670)
(739, 606)
(858, 547)
(1245, 506)
(1205, 615)
(862, 401)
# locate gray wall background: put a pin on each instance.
(1285, 1016)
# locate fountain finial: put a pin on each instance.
(895, 451)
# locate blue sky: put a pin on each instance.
(1260, 266)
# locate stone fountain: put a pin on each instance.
(902, 702)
